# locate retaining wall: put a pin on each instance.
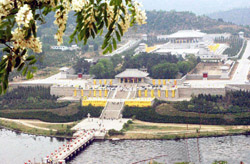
(188, 92)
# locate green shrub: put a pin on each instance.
(30, 98)
(114, 132)
(51, 117)
(150, 115)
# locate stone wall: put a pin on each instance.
(200, 77)
(69, 92)
(62, 91)
(187, 92)
(237, 87)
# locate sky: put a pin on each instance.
(199, 7)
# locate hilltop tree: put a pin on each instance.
(19, 22)
(82, 66)
(165, 71)
(106, 65)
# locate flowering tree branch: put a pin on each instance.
(19, 19)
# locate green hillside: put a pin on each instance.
(168, 22)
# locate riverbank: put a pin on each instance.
(36, 127)
(139, 130)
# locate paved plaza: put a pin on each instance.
(100, 124)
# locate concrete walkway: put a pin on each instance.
(96, 123)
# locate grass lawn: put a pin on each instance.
(146, 130)
(38, 128)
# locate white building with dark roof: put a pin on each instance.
(132, 76)
(187, 42)
(186, 36)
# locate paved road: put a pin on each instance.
(130, 44)
(244, 65)
(240, 76)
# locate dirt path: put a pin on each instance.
(30, 123)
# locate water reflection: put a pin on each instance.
(26, 147)
(205, 150)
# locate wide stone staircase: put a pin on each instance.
(112, 110)
(115, 104)
(121, 94)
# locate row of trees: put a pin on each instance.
(235, 44)
(52, 117)
(232, 102)
(158, 66)
(30, 98)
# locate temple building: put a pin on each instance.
(131, 76)
(186, 36)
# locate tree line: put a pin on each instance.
(30, 98)
(232, 102)
(158, 66)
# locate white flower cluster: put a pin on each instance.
(126, 24)
(78, 5)
(24, 16)
(5, 7)
(18, 35)
(140, 17)
(91, 18)
(61, 21)
(110, 12)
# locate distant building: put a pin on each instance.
(187, 42)
(186, 36)
(132, 76)
(241, 35)
(141, 48)
(65, 48)
(89, 60)
(65, 72)
(162, 37)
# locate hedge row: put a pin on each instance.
(150, 115)
(51, 117)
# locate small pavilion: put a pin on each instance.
(131, 76)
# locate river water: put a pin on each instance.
(19, 148)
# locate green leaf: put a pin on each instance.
(25, 71)
(18, 61)
(34, 68)
(27, 34)
(106, 50)
(20, 67)
(101, 25)
(33, 27)
(32, 62)
(120, 29)
(5, 85)
(28, 74)
(118, 36)
(105, 43)
(32, 57)
(114, 44)
(110, 48)
(1, 90)
(6, 49)
(24, 52)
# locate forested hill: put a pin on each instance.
(165, 22)
(237, 16)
